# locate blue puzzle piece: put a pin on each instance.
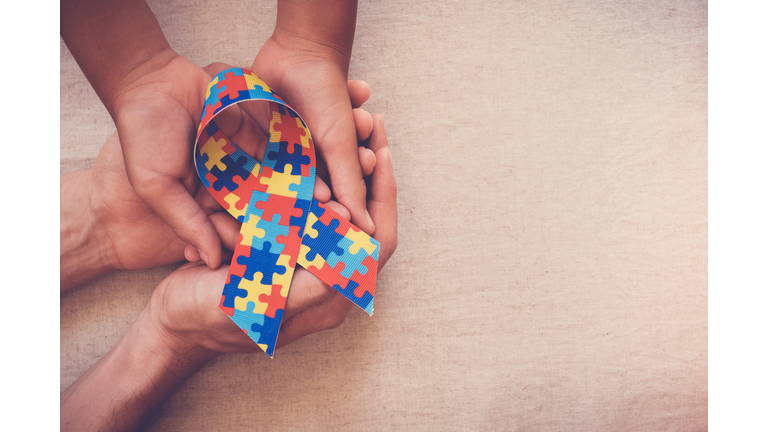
(326, 242)
(259, 93)
(282, 157)
(264, 261)
(248, 163)
(202, 170)
(271, 231)
(247, 320)
(365, 302)
(284, 111)
(213, 97)
(241, 95)
(269, 326)
(306, 186)
(351, 261)
(301, 221)
(232, 168)
(212, 128)
(231, 291)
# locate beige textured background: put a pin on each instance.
(551, 160)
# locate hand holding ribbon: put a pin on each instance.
(282, 224)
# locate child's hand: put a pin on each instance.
(156, 117)
(155, 98)
(306, 62)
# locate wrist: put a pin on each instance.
(323, 30)
(150, 65)
(180, 350)
(113, 42)
(126, 385)
(84, 247)
(302, 48)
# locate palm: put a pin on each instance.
(316, 87)
(187, 304)
(156, 118)
(138, 236)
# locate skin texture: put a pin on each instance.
(311, 44)
(155, 99)
(106, 226)
(182, 328)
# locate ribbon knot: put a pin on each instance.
(282, 225)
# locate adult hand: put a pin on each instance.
(107, 226)
(181, 328)
(155, 98)
(135, 236)
(185, 305)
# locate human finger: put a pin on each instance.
(339, 209)
(359, 92)
(322, 192)
(171, 200)
(363, 123)
(367, 160)
(382, 200)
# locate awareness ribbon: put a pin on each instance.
(282, 225)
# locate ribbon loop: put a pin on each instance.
(282, 225)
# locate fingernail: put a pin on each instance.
(370, 117)
(203, 256)
(389, 156)
(370, 221)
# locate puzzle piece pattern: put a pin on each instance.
(282, 225)
(327, 252)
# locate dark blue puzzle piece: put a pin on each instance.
(284, 111)
(270, 327)
(282, 158)
(212, 128)
(231, 291)
(200, 161)
(327, 240)
(232, 168)
(261, 260)
(349, 292)
(300, 221)
(241, 95)
(316, 209)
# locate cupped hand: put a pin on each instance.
(157, 116)
(138, 235)
(316, 86)
(184, 307)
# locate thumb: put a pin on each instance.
(173, 203)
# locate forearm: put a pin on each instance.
(114, 42)
(83, 247)
(130, 382)
(324, 27)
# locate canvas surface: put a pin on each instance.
(551, 273)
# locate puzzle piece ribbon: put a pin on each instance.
(282, 225)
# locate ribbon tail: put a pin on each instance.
(341, 255)
(281, 224)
